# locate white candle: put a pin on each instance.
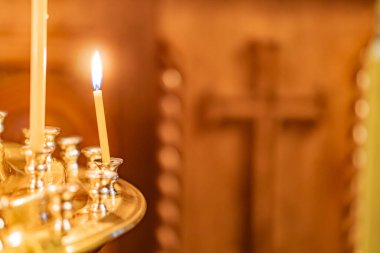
(38, 74)
(99, 106)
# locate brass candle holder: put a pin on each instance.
(57, 204)
(36, 167)
(40, 194)
(113, 166)
(50, 135)
(92, 153)
(53, 167)
(70, 155)
(61, 207)
(100, 181)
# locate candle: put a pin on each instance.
(99, 107)
(38, 74)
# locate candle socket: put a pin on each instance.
(61, 207)
(36, 167)
(113, 166)
(50, 134)
(100, 181)
(92, 154)
(70, 155)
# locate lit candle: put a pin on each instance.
(38, 74)
(99, 107)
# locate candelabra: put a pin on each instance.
(50, 204)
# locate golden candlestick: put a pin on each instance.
(43, 211)
(61, 207)
(36, 167)
(100, 181)
(113, 166)
(70, 155)
(50, 204)
(92, 153)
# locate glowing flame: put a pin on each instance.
(97, 71)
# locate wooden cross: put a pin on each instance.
(266, 110)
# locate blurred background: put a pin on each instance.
(250, 126)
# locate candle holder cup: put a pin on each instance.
(36, 167)
(70, 155)
(61, 206)
(92, 153)
(100, 181)
(113, 166)
(50, 135)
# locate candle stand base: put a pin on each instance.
(46, 207)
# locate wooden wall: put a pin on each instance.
(266, 100)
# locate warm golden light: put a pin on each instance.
(97, 71)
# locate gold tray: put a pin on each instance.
(26, 214)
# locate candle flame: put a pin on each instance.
(97, 71)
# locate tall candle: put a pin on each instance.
(38, 74)
(99, 106)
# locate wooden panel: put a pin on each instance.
(68, 20)
(319, 47)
